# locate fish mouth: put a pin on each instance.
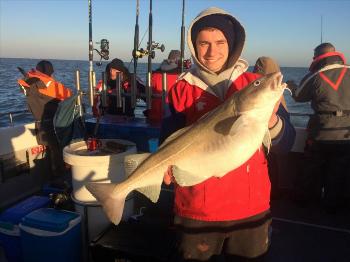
(277, 84)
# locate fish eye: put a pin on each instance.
(257, 83)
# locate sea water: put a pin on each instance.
(12, 99)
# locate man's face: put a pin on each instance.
(114, 72)
(212, 49)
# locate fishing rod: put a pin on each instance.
(91, 58)
(182, 37)
(135, 56)
(185, 63)
(149, 51)
(321, 29)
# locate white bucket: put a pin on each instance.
(97, 220)
(97, 168)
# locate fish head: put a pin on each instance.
(263, 93)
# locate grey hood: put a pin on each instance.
(219, 83)
(238, 41)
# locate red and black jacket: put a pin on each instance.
(243, 192)
(327, 86)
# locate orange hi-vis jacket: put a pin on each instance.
(52, 88)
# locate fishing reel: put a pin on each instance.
(104, 53)
(143, 52)
(187, 63)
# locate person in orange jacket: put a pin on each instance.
(43, 94)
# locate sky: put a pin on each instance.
(287, 30)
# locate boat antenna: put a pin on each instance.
(182, 37)
(321, 29)
(135, 56)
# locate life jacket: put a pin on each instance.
(43, 93)
(327, 87)
(51, 87)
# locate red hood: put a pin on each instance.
(320, 57)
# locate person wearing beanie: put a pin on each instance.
(43, 94)
(266, 65)
(228, 216)
(172, 68)
(45, 67)
(113, 69)
(327, 148)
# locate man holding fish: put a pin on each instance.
(222, 115)
(227, 215)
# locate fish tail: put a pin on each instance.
(112, 203)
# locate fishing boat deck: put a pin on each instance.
(298, 234)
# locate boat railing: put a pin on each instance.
(300, 114)
(12, 113)
(26, 111)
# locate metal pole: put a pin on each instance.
(150, 50)
(118, 91)
(136, 47)
(91, 88)
(164, 90)
(11, 119)
(104, 90)
(182, 37)
(77, 84)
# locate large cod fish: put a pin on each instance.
(217, 143)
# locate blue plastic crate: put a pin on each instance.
(9, 229)
(51, 235)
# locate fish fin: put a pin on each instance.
(152, 192)
(267, 141)
(174, 136)
(113, 204)
(227, 125)
(185, 178)
(131, 162)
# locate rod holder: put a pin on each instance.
(133, 92)
(11, 119)
(118, 90)
(164, 89)
(93, 79)
(91, 88)
(149, 91)
(104, 90)
(77, 85)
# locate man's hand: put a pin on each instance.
(292, 86)
(168, 176)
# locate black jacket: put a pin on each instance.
(327, 86)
